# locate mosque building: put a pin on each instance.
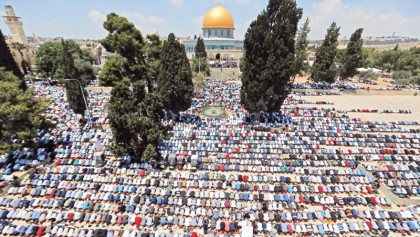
(218, 33)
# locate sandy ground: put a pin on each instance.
(348, 102)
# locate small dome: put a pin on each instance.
(218, 17)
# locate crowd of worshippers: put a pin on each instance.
(314, 93)
(324, 86)
(385, 111)
(291, 100)
(62, 137)
(280, 181)
(402, 178)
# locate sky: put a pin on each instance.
(84, 18)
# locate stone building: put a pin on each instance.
(218, 33)
(18, 43)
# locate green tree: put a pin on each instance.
(120, 113)
(399, 75)
(409, 61)
(49, 55)
(339, 57)
(134, 118)
(151, 153)
(83, 74)
(404, 64)
(152, 51)
(268, 64)
(387, 60)
(200, 49)
(353, 57)
(127, 41)
(48, 59)
(175, 78)
(8, 62)
(152, 108)
(368, 57)
(84, 70)
(200, 65)
(113, 71)
(416, 80)
(20, 113)
(369, 74)
(302, 66)
(198, 81)
(68, 69)
(324, 68)
(199, 62)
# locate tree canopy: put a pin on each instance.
(302, 42)
(268, 65)
(200, 65)
(353, 56)
(125, 40)
(20, 113)
(200, 49)
(175, 78)
(8, 62)
(83, 74)
(199, 62)
(404, 65)
(198, 81)
(369, 74)
(388, 59)
(113, 71)
(49, 58)
(134, 117)
(152, 51)
(134, 112)
(324, 68)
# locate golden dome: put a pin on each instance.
(218, 17)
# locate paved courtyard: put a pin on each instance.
(312, 169)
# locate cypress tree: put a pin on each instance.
(8, 62)
(353, 57)
(134, 117)
(200, 49)
(153, 49)
(120, 114)
(324, 68)
(199, 62)
(175, 78)
(268, 64)
(73, 90)
(301, 47)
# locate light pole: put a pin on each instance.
(83, 94)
